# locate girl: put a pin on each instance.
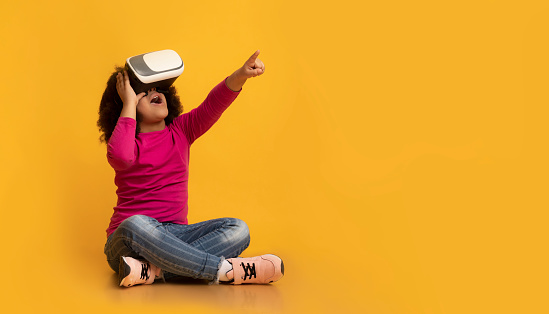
(148, 142)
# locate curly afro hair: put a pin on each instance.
(111, 107)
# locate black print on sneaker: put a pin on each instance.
(144, 271)
(248, 270)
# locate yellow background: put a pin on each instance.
(394, 153)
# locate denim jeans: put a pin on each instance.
(194, 251)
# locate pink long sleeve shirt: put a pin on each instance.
(152, 169)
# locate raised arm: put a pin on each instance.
(121, 145)
(128, 96)
(201, 119)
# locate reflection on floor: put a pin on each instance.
(261, 298)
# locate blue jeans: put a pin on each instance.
(194, 251)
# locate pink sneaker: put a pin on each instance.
(135, 272)
(260, 269)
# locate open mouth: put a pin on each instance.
(156, 100)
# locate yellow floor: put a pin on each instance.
(87, 285)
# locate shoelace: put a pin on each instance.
(248, 270)
(144, 271)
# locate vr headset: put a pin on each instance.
(154, 69)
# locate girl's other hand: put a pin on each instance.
(125, 91)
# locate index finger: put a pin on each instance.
(253, 57)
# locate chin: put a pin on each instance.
(162, 115)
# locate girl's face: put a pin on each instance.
(153, 108)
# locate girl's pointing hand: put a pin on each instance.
(253, 67)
